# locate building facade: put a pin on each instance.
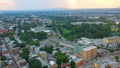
(89, 53)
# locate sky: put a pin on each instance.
(48, 4)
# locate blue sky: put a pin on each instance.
(47, 4)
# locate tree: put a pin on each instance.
(36, 43)
(41, 35)
(0, 42)
(34, 63)
(22, 45)
(117, 58)
(3, 58)
(48, 49)
(72, 32)
(61, 58)
(73, 64)
(26, 50)
(111, 50)
(12, 37)
(2, 35)
(45, 67)
(9, 34)
(25, 54)
(24, 37)
(27, 35)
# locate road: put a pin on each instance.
(58, 31)
(16, 36)
(63, 42)
(11, 54)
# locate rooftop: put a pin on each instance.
(113, 37)
(89, 48)
(52, 62)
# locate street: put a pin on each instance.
(11, 54)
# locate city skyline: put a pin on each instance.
(49, 4)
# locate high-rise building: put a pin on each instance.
(78, 49)
(89, 53)
(80, 45)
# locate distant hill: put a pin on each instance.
(96, 10)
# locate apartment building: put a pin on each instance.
(89, 53)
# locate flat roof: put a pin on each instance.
(89, 48)
(113, 37)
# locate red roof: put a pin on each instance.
(11, 66)
(4, 30)
(80, 63)
(66, 65)
(4, 52)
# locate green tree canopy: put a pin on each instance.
(27, 35)
(48, 49)
(25, 54)
(41, 35)
(73, 64)
(3, 58)
(61, 58)
(36, 43)
(34, 63)
(117, 58)
(22, 45)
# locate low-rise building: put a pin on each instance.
(16, 50)
(22, 63)
(114, 39)
(106, 65)
(43, 54)
(96, 65)
(10, 64)
(53, 64)
(42, 62)
(78, 61)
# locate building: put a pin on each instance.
(117, 22)
(43, 54)
(114, 39)
(42, 62)
(22, 63)
(113, 65)
(16, 50)
(53, 64)
(10, 64)
(4, 30)
(65, 65)
(78, 50)
(89, 53)
(96, 65)
(80, 23)
(78, 61)
(80, 45)
(106, 65)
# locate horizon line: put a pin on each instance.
(56, 9)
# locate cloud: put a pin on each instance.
(93, 3)
(7, 4)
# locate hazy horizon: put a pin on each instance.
(51, 4)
